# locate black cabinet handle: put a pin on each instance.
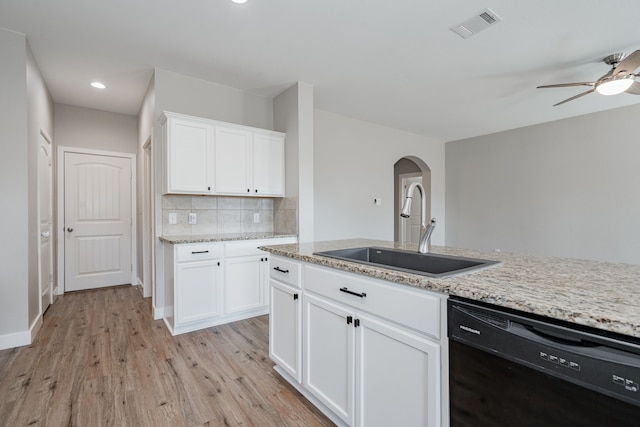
(295, 296)
(281, 270)
(356, 323)
(256, 190)
(218, 263)
(248, 190)
(209, 188)
(199, 252)
(345, 290)
(349, 320)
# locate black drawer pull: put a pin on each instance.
(361, 294)
(199, 252)
(281, 270)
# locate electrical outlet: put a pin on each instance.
(192, 218)
(256, 217)
(173, 218)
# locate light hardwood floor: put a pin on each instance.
(101, 360)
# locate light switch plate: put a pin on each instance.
(173, 218)
(256, 217)
(377, 201)
(192, 218)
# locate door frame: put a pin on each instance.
(147, 224)
(54, 284)
(60, 155)
(402, 179)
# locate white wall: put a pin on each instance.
(95, 129)
(353, 163)
(566, 188)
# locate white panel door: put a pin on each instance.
(45, 209)
(268, 165)
(97, 221)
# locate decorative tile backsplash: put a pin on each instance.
(217, 215)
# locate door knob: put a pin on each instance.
(69, 229)
(44, 234)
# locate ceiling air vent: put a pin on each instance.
(481, 21)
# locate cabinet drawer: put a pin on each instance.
(413, 308)
(285, 270)
(198, 251)
(244, 248)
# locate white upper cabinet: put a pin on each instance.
(268, 164)
(233, 160)
(188, 156)
(209, 157)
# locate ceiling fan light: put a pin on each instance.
(615, 85)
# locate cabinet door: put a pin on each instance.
(268, 165)
(397, 376)
(197, 291)
(328, 355)
(232, 161)
(189, 156)
(285, 328)
(244, 283)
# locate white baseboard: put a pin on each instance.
(16, 339)
(158, 313)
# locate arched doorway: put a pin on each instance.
(405, 171)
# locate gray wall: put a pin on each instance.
(95, 129)
(25, 107)
(14, 184)
(566, 188)
(354, 163)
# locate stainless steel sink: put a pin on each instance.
(432, 265)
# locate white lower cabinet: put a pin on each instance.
(208, 284)
(285, 332)
(397, 376)
(372, 351)
(245, 280)
(198, 293)
(329, 355)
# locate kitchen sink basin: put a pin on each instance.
(432, 265)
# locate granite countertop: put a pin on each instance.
(202, 238)
(602, 295)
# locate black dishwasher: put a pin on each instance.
(508, 368)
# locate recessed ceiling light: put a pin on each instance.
(98, 85)
(239, 1)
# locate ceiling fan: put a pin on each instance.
(620, 78)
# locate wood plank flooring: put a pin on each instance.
(101, 360)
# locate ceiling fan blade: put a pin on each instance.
(628, 64)
(568, 85)
(634, 89)
(574, 97)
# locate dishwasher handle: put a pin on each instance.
(574, 344)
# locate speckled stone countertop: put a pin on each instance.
(598, 294)
(202, 238)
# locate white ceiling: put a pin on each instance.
(392, 62)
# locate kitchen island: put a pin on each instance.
(368, 344)
(598, 294)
